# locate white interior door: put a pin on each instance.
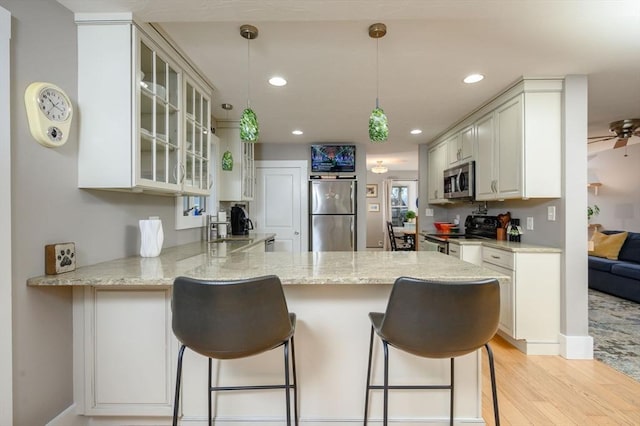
(280, 203)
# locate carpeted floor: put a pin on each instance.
(614, 324)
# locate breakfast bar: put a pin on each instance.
(125, 353)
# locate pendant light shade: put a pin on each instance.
(249, 130)
(379, 168)
(378, 123)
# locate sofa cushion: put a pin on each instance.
(607, 245)
(630, 250)
(601, 264)
(628, 270)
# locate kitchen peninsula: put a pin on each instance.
(125, 353)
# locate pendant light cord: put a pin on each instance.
(377, 71)
(248, 75)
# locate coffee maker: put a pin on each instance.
(240, 222)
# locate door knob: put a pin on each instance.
(296, 233)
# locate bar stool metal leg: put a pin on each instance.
(295, 383)
(178, 377)
(366, 396)
(451, 394)
(494, 392)
(210, 405)
(286, 382)
(385, 416)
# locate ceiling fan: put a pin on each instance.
(622, 130)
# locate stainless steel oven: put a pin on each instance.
(459, 181)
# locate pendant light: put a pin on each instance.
(379, 168)
(227, 157)
(249, 121)
(378, 123)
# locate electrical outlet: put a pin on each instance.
(428, 212)
(551, 213)
(530, 223)
(59, 258)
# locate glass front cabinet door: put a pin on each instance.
(197, 123)
(145, 111)
(159, 121)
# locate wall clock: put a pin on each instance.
(49, 113)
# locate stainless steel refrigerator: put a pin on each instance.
(332, 222)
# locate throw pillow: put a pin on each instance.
(607, 245)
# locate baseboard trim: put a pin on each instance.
(68, 417)
(576, 347)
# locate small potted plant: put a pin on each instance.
(410, 216)
(592, 211)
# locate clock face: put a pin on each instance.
(53, 104)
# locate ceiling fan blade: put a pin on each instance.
(620, 143)
(600, 139)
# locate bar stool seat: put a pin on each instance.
(433, 319)
(234, 319)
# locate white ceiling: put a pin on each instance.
(323, 49)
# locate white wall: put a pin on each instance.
(47, 207)
(619, 195)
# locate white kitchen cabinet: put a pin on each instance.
(518, 144)
(198, 177)
(530, 303)
(237, 184)
(437, 164)
(124, 350)
(471, 253)
(485, 168)
(132, 99)
(460, 146)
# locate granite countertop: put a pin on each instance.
(511, 246)
(196, 260)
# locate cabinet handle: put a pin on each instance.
(210, 181)
(495, 257)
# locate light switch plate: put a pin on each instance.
(529, 223)
(59, 258)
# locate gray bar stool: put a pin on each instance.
(234, 319)
(433, 319)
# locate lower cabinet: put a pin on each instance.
(466, 252)
(124, 350)
(530, 303)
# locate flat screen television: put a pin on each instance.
(333, 158)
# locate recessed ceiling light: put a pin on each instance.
(277, 81)
(473, 78)
(416, 131)
(297, 132)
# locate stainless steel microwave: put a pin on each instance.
(459, 181)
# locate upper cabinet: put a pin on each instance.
(460, 146)
(145, 115)
(516, 142)
(236, 182)
(519, 155)
(437, 164)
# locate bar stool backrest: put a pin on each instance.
(230, 319)
(441, 319)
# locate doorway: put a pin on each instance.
(280, 203)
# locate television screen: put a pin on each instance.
(333, 158)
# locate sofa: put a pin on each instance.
(619, 277)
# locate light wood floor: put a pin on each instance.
(551, 390)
